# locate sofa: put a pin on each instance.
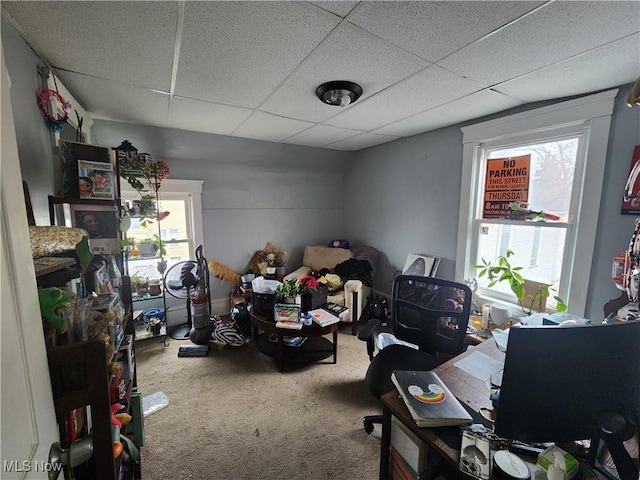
(355, 291)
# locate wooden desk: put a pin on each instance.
(469, 389)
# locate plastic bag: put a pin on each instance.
(154, 402)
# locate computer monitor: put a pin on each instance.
(559, 383)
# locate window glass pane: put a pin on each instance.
(526, 241)
(553, 165)
(174, 227)
(178, 251)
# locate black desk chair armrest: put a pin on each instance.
(367, 334)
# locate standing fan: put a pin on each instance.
(179, 281)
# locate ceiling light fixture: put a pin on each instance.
(339, 92)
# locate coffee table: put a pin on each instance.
(315, 348)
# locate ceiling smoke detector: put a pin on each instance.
(339, 93)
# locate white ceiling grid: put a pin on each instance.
(250, 69)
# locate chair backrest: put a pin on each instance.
(317, 257)
(431, 312)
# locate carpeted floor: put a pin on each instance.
(233, 415)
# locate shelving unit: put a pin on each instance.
(145, 223)
(83, 390)
(79, 379)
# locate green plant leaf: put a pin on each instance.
(125, 223)
(84, 252)
(518, 290)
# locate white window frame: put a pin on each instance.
(589, 116)
(177, 189)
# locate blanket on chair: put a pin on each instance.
(354, 269)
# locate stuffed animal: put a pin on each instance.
(377, 307)
(49, 299)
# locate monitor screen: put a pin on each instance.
(557, 381)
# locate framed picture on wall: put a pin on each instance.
(100, 222)
(421, 264)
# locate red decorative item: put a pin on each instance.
(308, 281)
(54, 122)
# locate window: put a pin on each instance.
(181, 231)
(553, 159)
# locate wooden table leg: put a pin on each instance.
(354, 314)
(335, 346)
(385, 444)
(280, 357)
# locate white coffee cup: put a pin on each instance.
(500, 314)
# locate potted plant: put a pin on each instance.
(530, 299)
(139, 283)
(150, 246)
(291, 290)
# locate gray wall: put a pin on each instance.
(253, 191)
(33, 137)
(400, 197)
(403, 197)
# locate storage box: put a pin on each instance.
(264, 296)
(311, 301)
(408, 446)
(286, 312)
(263, 303)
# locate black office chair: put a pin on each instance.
(429, 312)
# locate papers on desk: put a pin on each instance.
(501, 337)
(480, 365)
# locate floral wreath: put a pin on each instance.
(55, 123)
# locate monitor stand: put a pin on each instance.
(615, 429)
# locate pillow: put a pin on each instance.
(333, 281)
(51, 240)
(338, 243)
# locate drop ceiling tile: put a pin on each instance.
(475, 105)
(617, 63)
(111, 100)
(263, 126)
(364, 140)
(321, 135)
(430, 88)
(237, 53)
(554, 33)
(339, 8)
(350, 54)
(130, 42)
(433, 30)
(206, 117)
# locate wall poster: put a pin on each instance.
(506, 181)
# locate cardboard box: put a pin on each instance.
(286, 312)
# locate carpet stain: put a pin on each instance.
(257, 432)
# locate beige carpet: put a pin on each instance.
(233, 415)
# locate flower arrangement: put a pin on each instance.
(295, 287)
(274, 256)
(154, 172)
(308, 283)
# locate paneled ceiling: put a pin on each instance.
(250, 69)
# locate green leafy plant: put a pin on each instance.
(504, 271)
(139, 282)
(292, 288)
(156, 241)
